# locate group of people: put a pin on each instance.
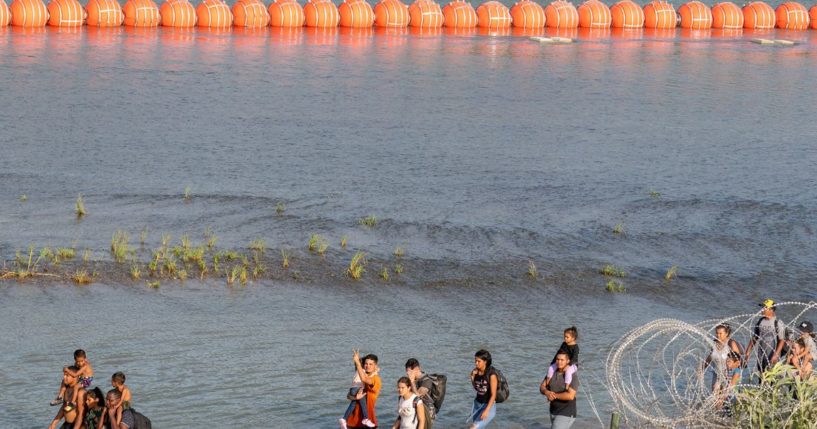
(772, 341)
(420, 394)
(85, 407)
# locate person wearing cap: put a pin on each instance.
(769, 335)
(807, 334)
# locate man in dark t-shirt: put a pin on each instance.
(421, 384)
(562, 399)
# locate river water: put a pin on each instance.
(476, 152)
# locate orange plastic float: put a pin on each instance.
(660, 15)
(178, 13)
(561, 14)
(695, 16)
(104, 13)
(28, 13)
(214, 14)
(426, 14)
(594, 14)
(321, 14)
(65, 13)
(391, 13)
(141, 13)
(792, 16)
(286, 13)
(627, 14)
(493, 14)
(727, 16)
(5, 14)
(250, 13)
(459, 14)
(758, 16)
(812, 13)
(356, 14)
(528, 14)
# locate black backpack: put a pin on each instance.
(139, 420)
(503, 391)
(786, 335)
(434, 399)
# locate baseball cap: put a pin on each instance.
(768, 303)
(806, 327)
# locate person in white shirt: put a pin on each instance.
(410, 409)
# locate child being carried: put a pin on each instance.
(571, 348)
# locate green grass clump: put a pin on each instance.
(655, 194)
(618, 229)
(284, 259)
(672, 272)
(182, 275)
(781, 400)
(187, 193)
(65, 253)
(533, 272)
(23, 198)
(233, 274)
(119, 246)
(185, 241)
(154, 284)
(370, 221)
(79, 208)
(86, 255)
(398, 269)
(615, 286)
(81, 277)
(613, 271)
(280, 208)
(258, 245)
(399, 252)
(316, 243)
(135, 272)
(356, 270)
(343, 241)
(384, 274)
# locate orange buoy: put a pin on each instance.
(286, 13)
(528, 14)
(627, 14)
(660, 15)
(104, 13)
(250, 13)
(5, 14)
(321, 13)
(561, 14)
(65, 13)
(459, 14)
(356, 14)
(426, 14)
(28, 13)
(178, 13)
(391, 13)
(758, 16)
(812, 13)
(141, 13)
(493, 14)
(727, 15)
(214, 14)
(695, 16)
(792, 16)
(594, 14)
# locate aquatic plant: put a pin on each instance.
(143, 236)
(655, 194)
(384, 274)
(533, 272)
(135, 272)
(187, 193)
(23, 198)
(216, 260)
(242, 275)
(316, 242)
(322, 246)
(257, 271)
(399, 252)
(671, 273)
(65, 253)
(169, 267)
(284, 259)
(612, 271)
(185, 240)
(81, 277)
(398, 269)
(233, 274)
(79, 208)
(182, 275)
(86, 255)
(230, 255)
(618, 229)
(356, 265)
(343, 241)
(119, 245)
(166, 241)
(615, 286)
(280, 208)
(154, 284)
(258, 245)
(370, 221)
(48, 256)
(26, 266)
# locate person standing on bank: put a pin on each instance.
(562, 397)
(485, 383)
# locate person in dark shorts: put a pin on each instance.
(562, 396)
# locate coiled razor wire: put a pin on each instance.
(656, 377)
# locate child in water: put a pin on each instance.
(571, 348)
(85, 376)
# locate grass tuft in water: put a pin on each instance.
(23, 198)
(399, 252)
(618, 229)
(533, 272)
(185, 241)
(119, 245)
(384, 274)
(79, 208)
(65, 253)
(81, 277)
(86, 255)
(615, 286)
(343, 241)
(398, 269)
(654, 194)
(284, 259)
(187, 193)
(182, 275)
(356, 270)
(672, 272)
(612, 271)
(154, 284)
(135, 272)
(370, 221)
(280, 208)
(258, 245)
(316, 242)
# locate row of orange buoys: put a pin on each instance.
(657, 14)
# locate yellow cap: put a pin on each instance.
(767, 303)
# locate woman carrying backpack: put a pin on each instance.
(485, 383)
(411, 412)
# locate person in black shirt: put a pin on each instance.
(562, 397)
